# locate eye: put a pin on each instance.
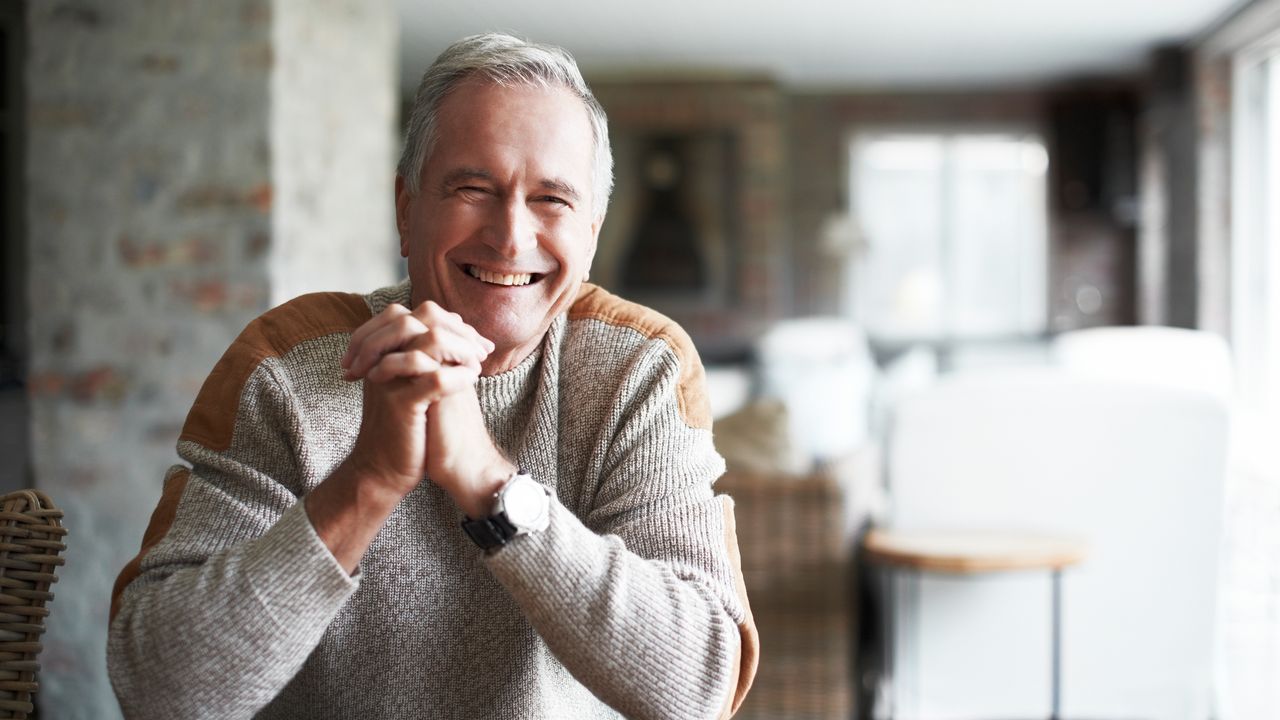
(553, 199)
(473, 191)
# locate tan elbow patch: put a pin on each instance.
(748, 656)
(161, 520)
(595, 303)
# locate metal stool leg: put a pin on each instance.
(1057, 644)
(888, 682)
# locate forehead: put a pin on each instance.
(481, 123)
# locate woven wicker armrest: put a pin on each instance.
(31, 535)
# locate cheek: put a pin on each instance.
(573, 242)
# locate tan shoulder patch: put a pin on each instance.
(596, 303)
(161, 520)
(211, 421)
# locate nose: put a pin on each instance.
(514, 230)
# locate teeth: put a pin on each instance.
(499, 278)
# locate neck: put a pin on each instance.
(503, 359)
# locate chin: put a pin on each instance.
(508, 338)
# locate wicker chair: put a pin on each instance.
(795, 533)
(31, 535)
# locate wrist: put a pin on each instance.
(347, 510)
(370, 486)
(521, 507)
(475, 498)
(379, 472)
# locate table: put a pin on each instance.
(969, 552)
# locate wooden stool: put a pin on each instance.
(974, 553)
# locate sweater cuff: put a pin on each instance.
(305, 578)
(524, 559)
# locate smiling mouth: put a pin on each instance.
(508, 279)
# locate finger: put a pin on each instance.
(402, 364)
(393, 335)
(433, 314)
(449, 347)
(449, 323)
(443, 342)
(370, 326)
(449, 379)
(428, 377)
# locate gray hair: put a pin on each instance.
(504, 60)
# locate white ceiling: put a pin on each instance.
(827, 43)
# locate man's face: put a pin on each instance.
(502, 231)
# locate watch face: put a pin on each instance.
(524, 502)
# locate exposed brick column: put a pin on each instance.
(190, 164)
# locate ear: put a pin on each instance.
(403, 198)
(595, 238)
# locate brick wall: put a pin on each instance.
(183, 174)
(752, 114)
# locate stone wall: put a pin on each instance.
(189, 164)
(334, 127)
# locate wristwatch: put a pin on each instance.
(521, 506)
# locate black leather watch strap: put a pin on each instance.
(490, 532)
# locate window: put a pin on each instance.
(1240, 175)
(955, 234)
(1255, 233)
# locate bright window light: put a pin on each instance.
(955, 231)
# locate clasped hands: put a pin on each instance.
(421, 416)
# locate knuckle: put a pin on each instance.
(423, 362)
(410, 325)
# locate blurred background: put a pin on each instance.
(985, 266)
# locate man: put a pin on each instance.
(564, 556)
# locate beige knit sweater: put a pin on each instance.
(630, 603)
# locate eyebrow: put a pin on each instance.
(463, 174)
(562, 187)
(453, 177)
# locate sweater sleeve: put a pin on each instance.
(233, 588)
(638, 598)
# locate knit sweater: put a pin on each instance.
(630, 602)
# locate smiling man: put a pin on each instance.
(484, 492)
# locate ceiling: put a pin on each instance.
(852, 44)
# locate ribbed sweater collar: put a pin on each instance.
(501, 391)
